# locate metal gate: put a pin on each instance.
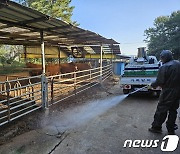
(25, 95)
(63, 86)
(19, 97)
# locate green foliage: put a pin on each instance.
(60, 9)
(15, 67)
(165, 35)
(8, 62)
(9, 54)
(2, 56)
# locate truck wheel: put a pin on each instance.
(125, 91)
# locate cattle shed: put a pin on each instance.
(94, 52)
(20, 25)
(89, 52)
(47, 84)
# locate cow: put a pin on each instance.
(36, 69)
(68, 68)
(82, 67)
(53, 69)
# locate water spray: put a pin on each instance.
(137, 90)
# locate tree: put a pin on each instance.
(8, 53)
(60, 9)
(165, 35)
(173, 27)
(2, 56)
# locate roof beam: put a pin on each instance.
(18, 25)
(3, 4)
(34, 20)
(4, 26)
(29, 42)
(56, 28)
(4, 33)
(16, 42)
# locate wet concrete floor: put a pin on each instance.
(96, 127)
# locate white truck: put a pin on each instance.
(139, 72)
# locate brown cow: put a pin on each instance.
(83, 66)
(68, 68)
(53, 69)
(36, 69)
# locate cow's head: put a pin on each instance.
(75, 68)
(74, 65)
(89, 63)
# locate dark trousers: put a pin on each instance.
(167, 107)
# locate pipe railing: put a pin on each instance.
(19, 97)
(22, 96)
(60, 88)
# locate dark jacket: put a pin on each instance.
(168, 76)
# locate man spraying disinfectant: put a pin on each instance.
(168, 79)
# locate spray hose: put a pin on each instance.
(138, 89)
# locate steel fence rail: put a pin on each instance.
(78, 83)
(5, 110)
(26, 113)
(19, 97)
(107, 76)
(24, 95)
(24, 78)
(25, 86)
(23, 108)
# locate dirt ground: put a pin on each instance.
(32, 121)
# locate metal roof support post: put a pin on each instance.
(112, 65)
(44, 83)
(111, 53)
(101, 58)
(42, 53)
(59, 55)
(25, 54)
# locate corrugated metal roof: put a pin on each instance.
(22, 25)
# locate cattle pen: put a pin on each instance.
(25, 95)
(19, 95)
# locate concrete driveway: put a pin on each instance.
(97, 127)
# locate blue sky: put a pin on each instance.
(122, 20)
